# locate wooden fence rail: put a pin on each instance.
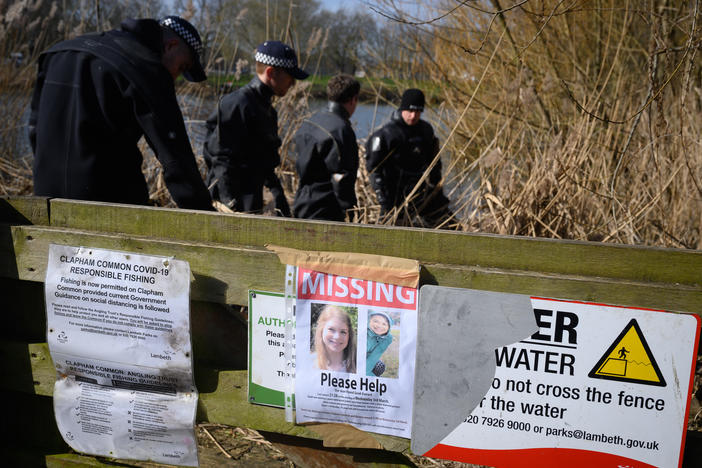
(227, 258)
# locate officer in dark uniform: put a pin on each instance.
(241, 149)
(327, 155)
(398, 154)
(96, 96)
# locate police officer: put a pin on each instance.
(398, 154)
(97, 95)
(241, 149)
(327, 155)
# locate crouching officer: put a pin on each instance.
(327, 155)
(97, 95)
(398, 154)
(241, 149)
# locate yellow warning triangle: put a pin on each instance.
(629, 359)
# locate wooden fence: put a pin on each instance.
(227, 258)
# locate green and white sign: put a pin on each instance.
(267, 376)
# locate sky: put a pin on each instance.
(331, 5)
(334, 5)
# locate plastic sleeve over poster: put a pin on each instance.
(355, 341)
(118, 329)
(355, 352)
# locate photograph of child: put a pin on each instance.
(383, 330)
(333, 337)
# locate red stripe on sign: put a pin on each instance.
(541, 457)
(690, 386)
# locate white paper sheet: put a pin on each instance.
(118, 328)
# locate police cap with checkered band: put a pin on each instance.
(277, 54)
(190, 36)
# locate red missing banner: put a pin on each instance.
(328, 287)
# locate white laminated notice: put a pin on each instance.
(118, 328)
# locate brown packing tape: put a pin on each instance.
(344, 435)
(380, 268)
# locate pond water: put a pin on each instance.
(365, 119)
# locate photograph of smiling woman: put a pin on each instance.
(334, 346)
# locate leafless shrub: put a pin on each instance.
(576, 120)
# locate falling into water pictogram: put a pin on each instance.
(629, 359)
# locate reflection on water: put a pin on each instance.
(365, 119)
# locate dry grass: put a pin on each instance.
(576, 120)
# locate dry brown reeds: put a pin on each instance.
(24, 30)
(576, 120)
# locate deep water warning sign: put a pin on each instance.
(629, 359)
(596, 385)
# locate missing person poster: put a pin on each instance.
(118, 329)
(355, 352)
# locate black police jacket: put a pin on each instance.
(396, 157)
(95, 97)
(326, 163)
(241, 149)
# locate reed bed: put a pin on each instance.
(572, 121)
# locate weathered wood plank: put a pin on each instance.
(304, 453)
(219, 335)
(27, 368)
(307, 453)
(659, 296)
(219, 340)
(224, 274)
(223, 400)
(24, 210)
(18, 211)
(74, 460)
(430, 246)
(220, 274)
(219, 332)
(227, 259)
